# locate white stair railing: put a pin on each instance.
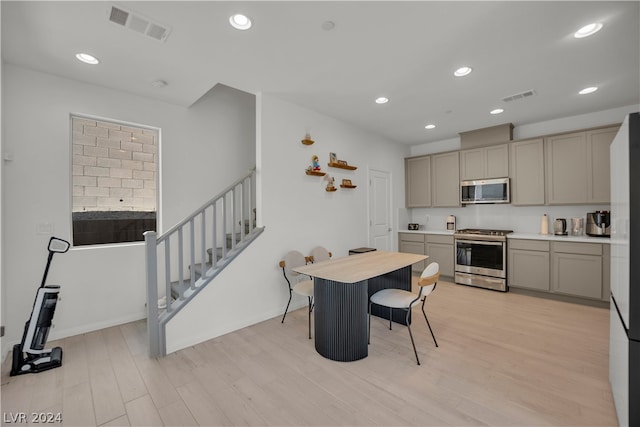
(215, 234)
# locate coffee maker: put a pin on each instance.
(598, 224)
(451, 223)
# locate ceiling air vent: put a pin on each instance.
(138, 23)
(521, 95)
(118, 16)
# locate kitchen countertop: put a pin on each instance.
(529, 236)
(554, 238)
(444, 232)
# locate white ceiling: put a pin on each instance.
(406, 51)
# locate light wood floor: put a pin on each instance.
(504, 359)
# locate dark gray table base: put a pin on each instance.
(340, 313)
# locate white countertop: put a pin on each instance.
(530, 236)
(554, 238)
(444, 232)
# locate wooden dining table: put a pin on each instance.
(342, 288)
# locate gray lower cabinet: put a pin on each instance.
(412, 243)
(567, 268)
(606, 272)
(577, 269)
(439, 248)
(528, 264)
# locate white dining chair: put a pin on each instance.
(405, 300)
(296, 281)
(319, 253)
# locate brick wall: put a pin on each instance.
(114, 167)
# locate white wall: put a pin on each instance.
(297, 213)
(203, 149)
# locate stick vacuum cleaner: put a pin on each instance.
(30, 356)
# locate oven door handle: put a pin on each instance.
(479, 242)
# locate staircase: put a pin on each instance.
(182, 262)
(180, 286)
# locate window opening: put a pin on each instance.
(114, 181)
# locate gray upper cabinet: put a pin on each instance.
(598, 143)
(578, 167)
(526, 169)
(471, 164)
(497, 161)
(566, 168)
(418, 182)
(484, 162)
(445, 178)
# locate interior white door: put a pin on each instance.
(380, 210)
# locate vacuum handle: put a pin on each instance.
(56, 245)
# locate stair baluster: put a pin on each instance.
(231, 202)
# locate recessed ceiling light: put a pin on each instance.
(430, 126)
(328, 25)
(587, 90)
(382, 100)
(87, 59)
(588, 30)
(462, 71)
(158, 83)
(497, 111)
(240, 21)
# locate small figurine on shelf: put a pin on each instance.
(330, 183)
(314, 167)
(307, 139)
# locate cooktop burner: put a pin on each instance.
(480, 234)
(484, 232)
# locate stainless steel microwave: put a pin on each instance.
(494, 190)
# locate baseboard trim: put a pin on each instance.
(559, 297)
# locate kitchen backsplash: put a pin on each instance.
(521, 219)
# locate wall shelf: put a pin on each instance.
(342, 166)
(347, 186)
(315, 173)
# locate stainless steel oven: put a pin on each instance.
(481, 258)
